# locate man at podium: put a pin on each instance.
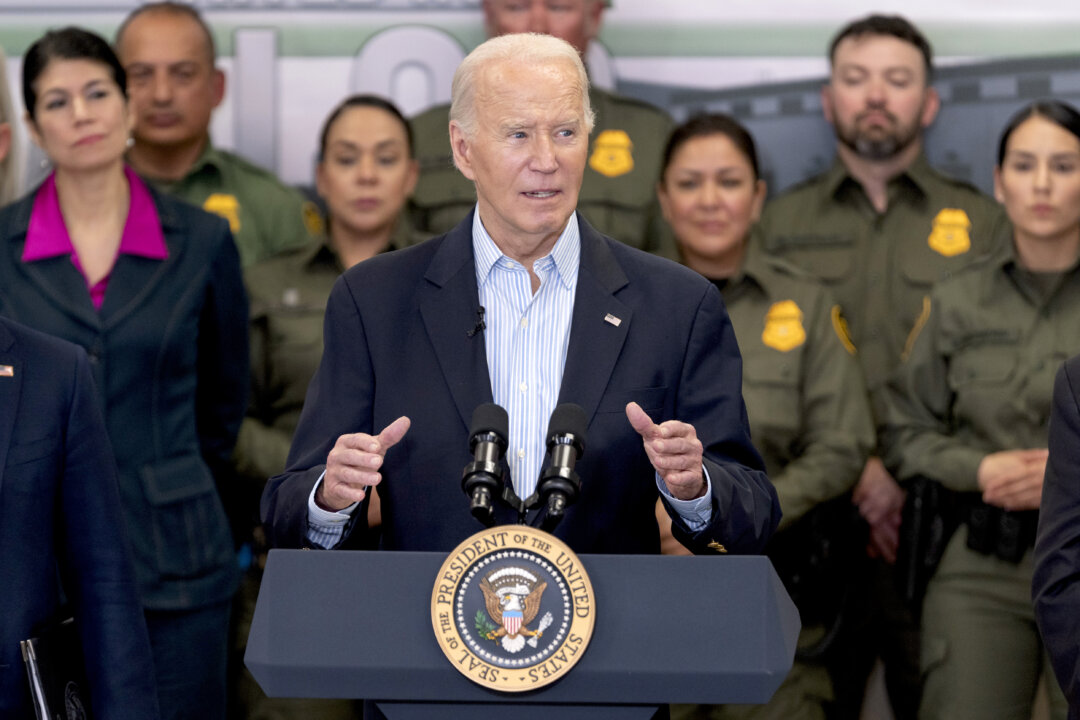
(525, 305)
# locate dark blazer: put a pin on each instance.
(397, 343)
(59, 509)
(1056, 580)
(168, 351)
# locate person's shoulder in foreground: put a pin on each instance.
(1056, 579)
(60, 509)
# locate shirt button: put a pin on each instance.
(524, 323)
(524, 387)
(521, 452)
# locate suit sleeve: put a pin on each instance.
(338, 402)
(97, 567)
(1056, 579)
(745, 509)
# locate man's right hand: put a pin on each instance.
(353, 465)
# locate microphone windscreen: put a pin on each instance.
(568, 419)
(490, 417)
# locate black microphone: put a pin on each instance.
(480, 325)
(559, 485)
(483, 477)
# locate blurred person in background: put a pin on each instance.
(969, 409)
(365, 174)
(804, 393)
(151, 288)
(169, 54)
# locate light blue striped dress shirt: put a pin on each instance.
(526, 339)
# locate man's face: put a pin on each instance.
(528, 154)
(172, 82)
(877, 99)
(575, 21)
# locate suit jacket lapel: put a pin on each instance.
(133, 277)
(599, 325)
(9, 395)
(448, 305)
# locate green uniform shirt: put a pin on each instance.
(288, 295)
(980, 376)
(618, 194)
(880, 267)
(804, 394)
(264, 215)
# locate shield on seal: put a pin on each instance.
(511, 620)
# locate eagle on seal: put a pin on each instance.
(512, 605)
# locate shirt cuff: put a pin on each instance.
(326, 527)
(696, 513)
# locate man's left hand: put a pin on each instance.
(674, 451)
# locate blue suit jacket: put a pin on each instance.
(59, 508)
(168, 352)
(1056, 580)
(396, 343)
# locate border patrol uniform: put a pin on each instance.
(880, 267)
(811, 422)
(288, 299)
(618, 194)
(265, 216)
(980, 380)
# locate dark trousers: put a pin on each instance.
(885, 628)
(190, 650)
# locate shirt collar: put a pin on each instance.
(47, 235)
(918, 173)
(566, 254)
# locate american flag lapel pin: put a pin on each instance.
(7, 371)
(609, 318)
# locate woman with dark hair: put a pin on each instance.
(151, 288)
(807, 405)
(969, 409)
(365, 174)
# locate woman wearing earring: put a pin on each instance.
(151, 288)
(970, 408)
(805, 398)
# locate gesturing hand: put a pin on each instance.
(674, 451)
(353, 465)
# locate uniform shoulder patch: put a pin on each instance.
(612, 153)
(784, 329)
(951, 232)
(840, 327)
(312, 218)
(226, 206)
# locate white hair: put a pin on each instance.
(530, 49)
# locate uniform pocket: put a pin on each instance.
(828, 257)
(773, 404)
(190, 533)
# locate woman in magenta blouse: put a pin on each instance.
(152, 289)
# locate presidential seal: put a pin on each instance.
(513, 608)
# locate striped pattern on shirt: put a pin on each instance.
(526, 339)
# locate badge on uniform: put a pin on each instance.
(226, 206)
(612, 153)
(784, 329)
(950, 235)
